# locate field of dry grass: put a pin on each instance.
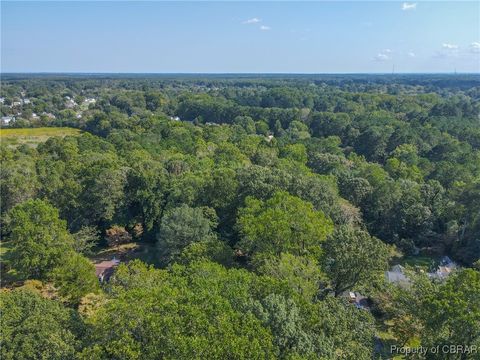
(33, 136)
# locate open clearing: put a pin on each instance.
(33, 136)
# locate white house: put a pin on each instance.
(7, 119)
(357, 299)
(49, 115)
(70, 103)
(446, 267)
(396, 275)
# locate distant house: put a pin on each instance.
(70, 103)
(49, 115)
(16, 103)
(174, 118)
(7, 119)
(446, 267)
(357, 299)
(447, 261)
(26, 101)
(2, 100)
(105, 269)
(89, 101)
(443, 271)
(396, 275)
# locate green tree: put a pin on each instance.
(145, 189)
(103, 193)
(181, 227)
(452, 313)
(283, 223)
(192, 313)
(221, 190)
(283, 317)
(210, 250)
(39, 238)
(35, 328)
(18, 179)
(302, 273)
(331, 322)
(85, 239)
(352, 257)
(246, 122)
(75, 277)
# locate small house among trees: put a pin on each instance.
(105, 269)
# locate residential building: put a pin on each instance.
(104, 270)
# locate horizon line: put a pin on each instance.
(230, 73)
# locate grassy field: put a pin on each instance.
(33, 136)
(425, 262)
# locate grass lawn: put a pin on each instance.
(424, 262)
(33, 136)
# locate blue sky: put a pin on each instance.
(221, 37)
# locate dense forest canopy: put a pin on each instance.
(253, 203)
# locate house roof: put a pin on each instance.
(397, 268)
(396, 277)
(105, 266)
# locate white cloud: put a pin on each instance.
(252, 21)
(447, 51)
(381, 57)
(475, 47)
(411, 54)
(265, 28)
(449, 46)
(409, 6)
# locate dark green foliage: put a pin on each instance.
(283, 223)
(39, 238)
(75, 278)
(181, 227)
(36, 328)
(352, 258)
(85, 239)
(452, 313)
(207, 311)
